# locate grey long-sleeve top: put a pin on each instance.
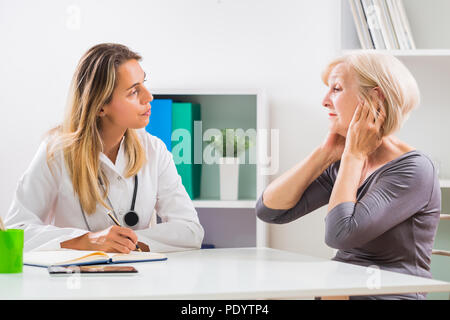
(393, 222)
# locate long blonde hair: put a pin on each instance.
(373, 69)
(78, 136)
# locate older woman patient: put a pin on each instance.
(383, 195)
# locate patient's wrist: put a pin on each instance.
(325, 157)
(353, 156)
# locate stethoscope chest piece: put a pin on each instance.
(131, 218)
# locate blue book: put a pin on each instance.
(160, 124)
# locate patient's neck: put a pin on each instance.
(391, 148)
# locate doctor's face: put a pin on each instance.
(342, 98)
(130, 103)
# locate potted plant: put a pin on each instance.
(229, 146)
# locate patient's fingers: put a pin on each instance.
(381, 117)
(365, 112)
(357, 114)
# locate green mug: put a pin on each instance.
(11, 251)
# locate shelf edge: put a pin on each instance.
(407, 53)
(224, 203)
(444, 183)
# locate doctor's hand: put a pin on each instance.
(112, 239)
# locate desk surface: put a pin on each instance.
(242, 273)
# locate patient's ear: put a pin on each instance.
(376, 93)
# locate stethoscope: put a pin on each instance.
(131, 218)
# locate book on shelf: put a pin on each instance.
(397, 23)
(160, 124)
(405, 24)
(166, 119)
(382, 24)
(362, 28)
(184, 115)
(374, 24)
(387, 30)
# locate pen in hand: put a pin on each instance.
(118, 224)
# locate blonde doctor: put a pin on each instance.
(100, 160)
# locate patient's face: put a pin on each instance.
(341, 98)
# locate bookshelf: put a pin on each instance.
(428, 22)
(428, 125)
(229, 223)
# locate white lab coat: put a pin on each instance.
(46, 207)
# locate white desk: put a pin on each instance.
(244, 273)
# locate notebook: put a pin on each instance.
(80, 257)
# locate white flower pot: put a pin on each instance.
(229, 178)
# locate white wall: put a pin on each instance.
(279, 46)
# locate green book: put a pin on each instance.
(183, 116)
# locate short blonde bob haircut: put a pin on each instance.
(398, 86)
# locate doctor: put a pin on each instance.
(100, 160)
